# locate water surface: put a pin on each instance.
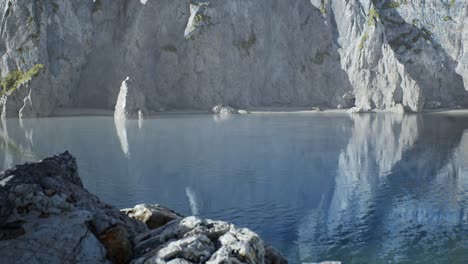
(373, 188)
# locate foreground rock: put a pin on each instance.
(46, 216)
(130, 102)
(154, 216)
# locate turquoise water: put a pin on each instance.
(373, 188)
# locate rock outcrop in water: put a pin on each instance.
(130, 102)
(46, 216)
(190, 55)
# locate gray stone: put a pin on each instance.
(324, 53)
(130, 102)
(197, 240)
(154, 216)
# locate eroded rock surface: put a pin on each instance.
(130, 102)
(193, 54)
(46, 216)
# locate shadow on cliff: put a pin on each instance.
(414, 45)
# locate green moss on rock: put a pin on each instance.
(319, 56)
(170, 48)
(373, 16)
(16, 78)
(247, 44)
(364, 38)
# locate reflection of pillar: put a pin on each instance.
(120, 126)
(192, 200)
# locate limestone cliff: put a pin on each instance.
(183, 54)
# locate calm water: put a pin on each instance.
(361, 189)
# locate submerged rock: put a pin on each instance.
(130, 102)
(46, 216)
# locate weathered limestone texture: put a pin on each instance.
(184, 54)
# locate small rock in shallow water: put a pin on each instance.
(242, 112)
(316, 109)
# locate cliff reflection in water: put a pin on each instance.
(370, 188)
(400, 194)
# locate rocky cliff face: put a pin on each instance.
(189, 54)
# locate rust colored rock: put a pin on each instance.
(117, 244)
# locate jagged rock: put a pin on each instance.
(201, 241)
(45, 209)
(217, 109)
(227, 110)
(61, 220)
(130, 102)
(273, 257)
(154, 216)
(199, 17)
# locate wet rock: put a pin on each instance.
(242, 112)
(154, 216)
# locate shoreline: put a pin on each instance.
(83, 112)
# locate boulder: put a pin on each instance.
(154, 216)
(227, 110)
(242, 112)
(217, 109)
(224, 110)
(199, 241)
(316, 109)
(48, 211)
(130, 102)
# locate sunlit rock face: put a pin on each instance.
(397, 185)
(368, 54)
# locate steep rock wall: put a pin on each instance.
(192, 55)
